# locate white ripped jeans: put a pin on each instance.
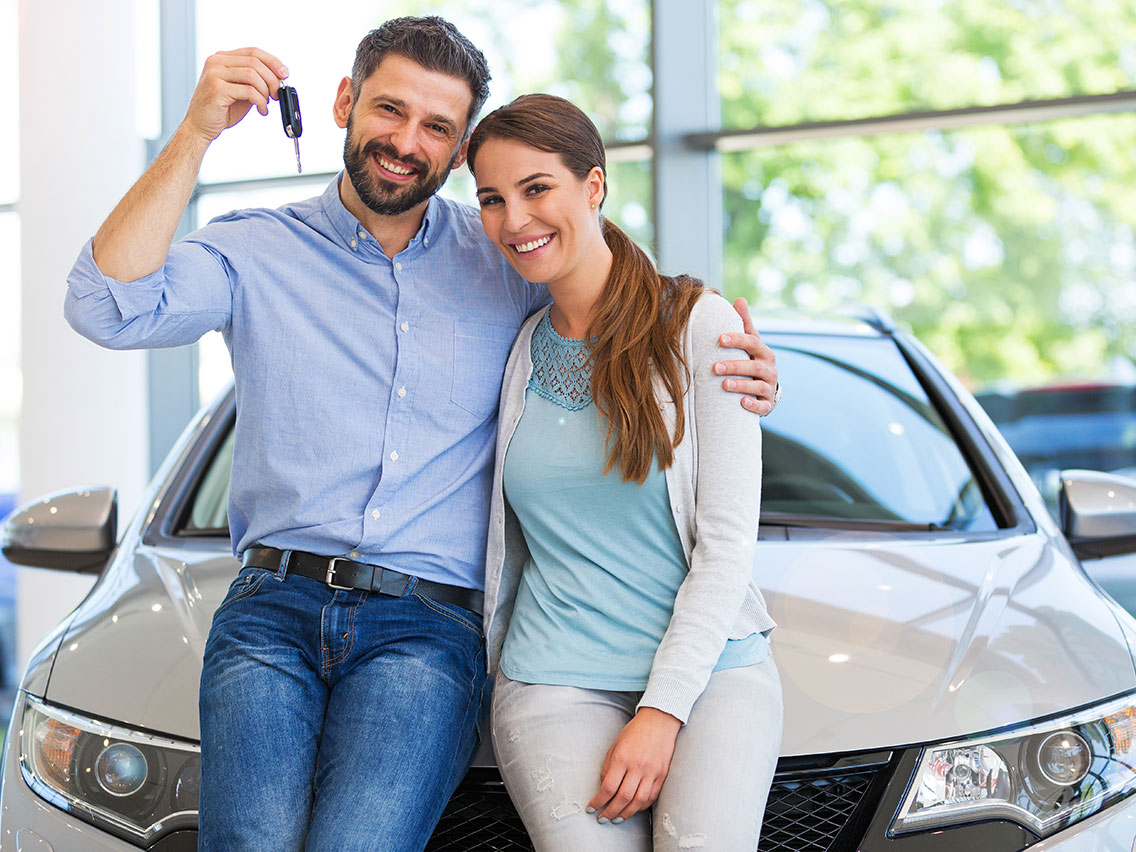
(551, 741)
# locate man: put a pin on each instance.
(368, 330)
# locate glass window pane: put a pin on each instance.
(1053, 428)
(9, 104)
(214, 368)
(9, 291)
(630, 202)
(791, 61)
(892, 459)
(10, 380)
(209, 509)
(593, 52)
(1010, 251)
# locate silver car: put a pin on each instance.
(953, 678)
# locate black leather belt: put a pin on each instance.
(340, 573)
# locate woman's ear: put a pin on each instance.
(594, 184)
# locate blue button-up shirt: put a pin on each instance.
(366, 386)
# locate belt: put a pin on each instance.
(340, 573)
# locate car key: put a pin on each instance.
(290, 115)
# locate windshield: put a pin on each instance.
(856, 438)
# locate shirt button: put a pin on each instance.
(394, 456)
(426, 240)
(402, 392)
(375, 514)
(405, 326)
(353, 243)
(354, 554)
(398, 266)
(362, 235)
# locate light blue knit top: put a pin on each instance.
(606, 561)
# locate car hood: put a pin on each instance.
(881, 642)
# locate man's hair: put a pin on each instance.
(431, 42)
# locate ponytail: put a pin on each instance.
(636, 330)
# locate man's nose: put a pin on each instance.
(404, 140)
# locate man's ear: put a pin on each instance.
(344, 100)
(463, 151)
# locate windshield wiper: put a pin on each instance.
(781, 519)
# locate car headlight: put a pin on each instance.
(1044, 776)
(132, 784)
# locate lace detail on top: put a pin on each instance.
(561, 372)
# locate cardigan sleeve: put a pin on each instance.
(727, 507)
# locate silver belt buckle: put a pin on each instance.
(331, 574)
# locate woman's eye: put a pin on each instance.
(489, 201)
(536, 189)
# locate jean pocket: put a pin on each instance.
(461, 615)
(480, 352)
(246, 584)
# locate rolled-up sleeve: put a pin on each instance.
(188, 296)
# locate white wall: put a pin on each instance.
(83, 419)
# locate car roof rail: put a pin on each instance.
(871, 316)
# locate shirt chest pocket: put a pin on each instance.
(480, 352)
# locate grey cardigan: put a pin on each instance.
(719, 460)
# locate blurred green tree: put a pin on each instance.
(1008, 249)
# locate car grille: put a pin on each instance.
(479, 818)
(805, 813)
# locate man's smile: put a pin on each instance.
(393, 167)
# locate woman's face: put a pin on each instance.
(538, 213)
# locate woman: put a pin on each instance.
(628, 637)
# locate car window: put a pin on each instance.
(209, 509)
(856, 438)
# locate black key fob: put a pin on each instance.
(290, 111)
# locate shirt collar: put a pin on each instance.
(347, 227)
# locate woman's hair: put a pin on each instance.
(639, 319)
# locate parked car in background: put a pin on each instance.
(1086, 425)
(952, 678)
(1083, 425)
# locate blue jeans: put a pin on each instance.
(333, 720)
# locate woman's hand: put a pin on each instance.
(636, 765)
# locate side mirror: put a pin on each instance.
(1098, 513)
(68, 531)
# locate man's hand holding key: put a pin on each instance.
(232, 82)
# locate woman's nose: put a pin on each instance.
(516, 217)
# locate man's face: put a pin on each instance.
(404, 133)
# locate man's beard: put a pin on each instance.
(382, 196)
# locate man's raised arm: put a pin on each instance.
(135, 239)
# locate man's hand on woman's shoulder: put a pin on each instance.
(755, 378)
